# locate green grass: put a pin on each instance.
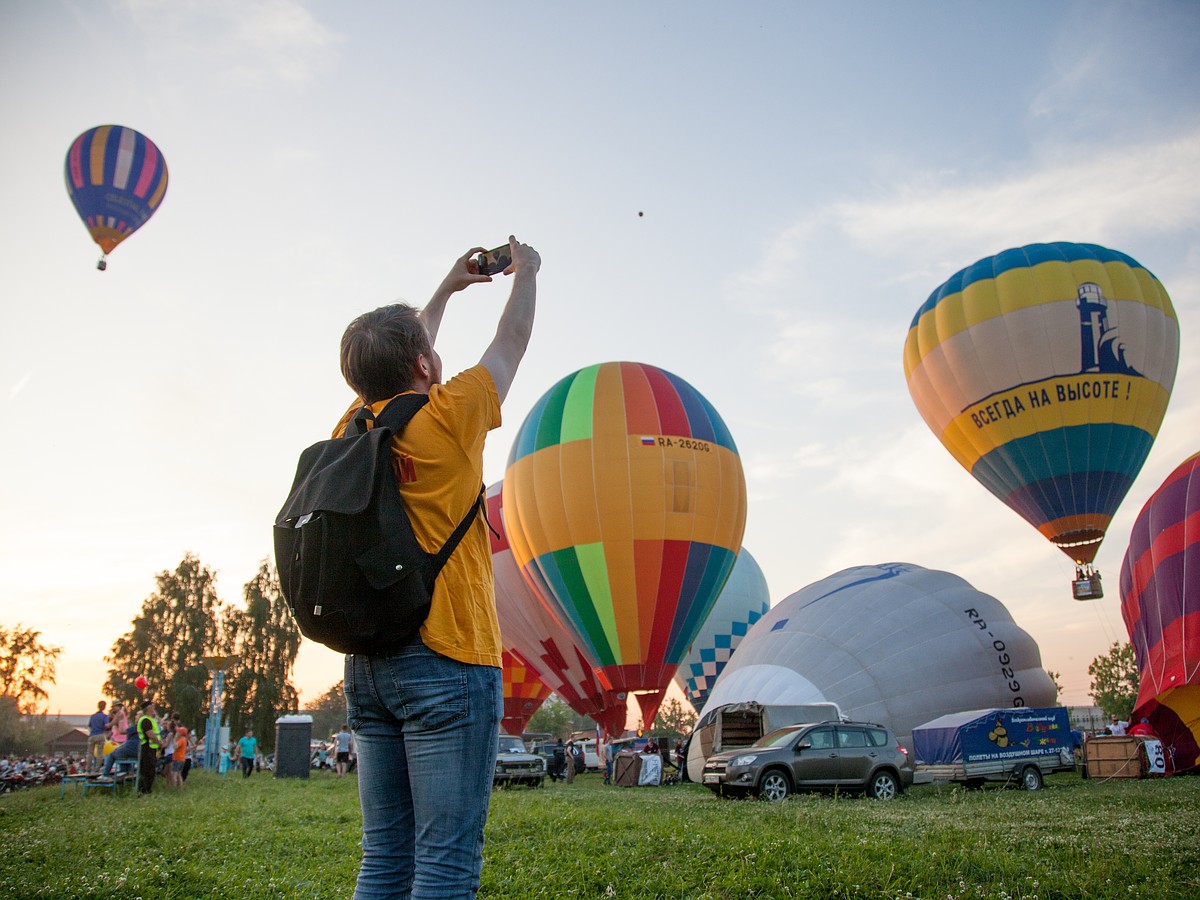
(269, 837)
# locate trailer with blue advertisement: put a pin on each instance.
(1021, 746)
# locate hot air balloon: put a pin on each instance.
(524, 692)
(532, 631)
(896, 644)
(1160, 601)
(116, 177)
(742, 602)
(1045, 371)
(625, 504)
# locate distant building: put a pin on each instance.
(1087, 718)
(72, 742)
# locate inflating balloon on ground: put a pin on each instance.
(895, 643)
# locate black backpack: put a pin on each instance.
(349, 565)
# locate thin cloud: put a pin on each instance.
(245, 42)
(1145, 188)
(19, 386)
(1075, 193)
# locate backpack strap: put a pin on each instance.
(396, 416)
(443, 555)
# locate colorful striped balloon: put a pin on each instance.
(1046, 370)
(116, 178)
(1160, 601)
(625, 504)
(530, 629)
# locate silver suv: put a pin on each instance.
(856, 756)
(516, 766)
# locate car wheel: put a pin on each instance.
(1031, 778)
(537, 782)
(884, 786)
(775, 786)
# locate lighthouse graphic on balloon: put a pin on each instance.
(1100, 350)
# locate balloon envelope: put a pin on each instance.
(1160, 602)
(625, 504)
(742, 602)
(895, 644)
(524, 692)
(1045, 371)
(116, 177)
(532, 631)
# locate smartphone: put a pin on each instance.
(493, 262)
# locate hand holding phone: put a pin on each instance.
(493, 262)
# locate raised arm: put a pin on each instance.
(463, 273)
(504, 354)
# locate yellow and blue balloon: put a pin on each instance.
(1045, 370)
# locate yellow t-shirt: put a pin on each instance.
(439, 465)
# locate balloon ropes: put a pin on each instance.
(530, 630)
(625, 503)
(116, 177)
(1160, 602)
(1045, 371)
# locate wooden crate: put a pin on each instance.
(627, 769)
(1114, 756)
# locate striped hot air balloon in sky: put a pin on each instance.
(625, 503)
(532, 631)
(1045, 371)
(1160, 601)
(116, 177)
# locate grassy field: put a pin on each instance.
(267, 837)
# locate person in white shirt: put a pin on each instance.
(344, 740)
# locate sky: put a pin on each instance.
(756, 197)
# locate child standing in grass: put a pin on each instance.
(247, 749)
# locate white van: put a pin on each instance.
(591, 760)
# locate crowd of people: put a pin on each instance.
(160, 744)
(30, 771)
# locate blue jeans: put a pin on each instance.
(127, 750)
(425, 727)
